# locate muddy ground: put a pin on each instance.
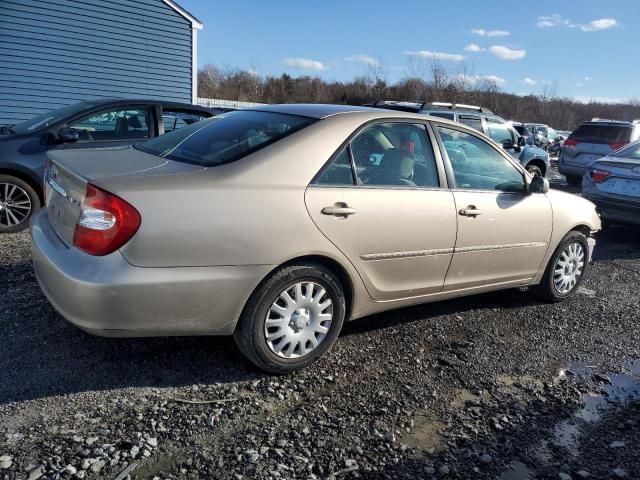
(492, 386)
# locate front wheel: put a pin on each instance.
(566, 269)
(534, 170)
(292, 318)
(18, 201)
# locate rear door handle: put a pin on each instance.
(338, 211)
(470, 211)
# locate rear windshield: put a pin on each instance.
(602, 134)
(631, 151)
(224, 138)
(45, 119)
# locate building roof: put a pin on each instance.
(195, 23)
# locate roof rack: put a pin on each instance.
(398, 103)
(454, 106)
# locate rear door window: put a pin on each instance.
(174, 119)
(473, 121)
(119, 123)
(602, 134)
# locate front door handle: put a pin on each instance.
(470, 211)
(338, 210)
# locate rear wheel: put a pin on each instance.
(18, 201)
(292, 318)
(566, 269)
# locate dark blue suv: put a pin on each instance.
(90, 124)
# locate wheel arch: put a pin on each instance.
(538, 162)
(25, 177)
(329, 263)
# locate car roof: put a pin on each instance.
(617, 123)
(122, 101)
(312, 110)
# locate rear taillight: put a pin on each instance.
(570, 142)
(616, 146)
(106, 222)
(599, 176)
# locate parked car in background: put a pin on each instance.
(219, 228)
(523, 132)
(91, 124)
(613, 184)
(540, 133)
(591, 141)
(535, 160)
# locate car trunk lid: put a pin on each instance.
(69, 172)
(624, 178)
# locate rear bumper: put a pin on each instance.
(108, 296)
(615, 210)
(573, 170)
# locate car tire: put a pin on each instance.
(574, 180)
(534, 170)
(269, 318)
(18, 202)
(549, 288)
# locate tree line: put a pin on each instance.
(423, 82)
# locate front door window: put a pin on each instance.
(114, 124)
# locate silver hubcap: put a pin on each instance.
(298, 320)
(568, 268)
(15, 205)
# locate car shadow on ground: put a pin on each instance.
(43, 355)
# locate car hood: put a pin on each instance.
(533, 151)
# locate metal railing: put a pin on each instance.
(216, 102)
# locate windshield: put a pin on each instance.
(45, 119)
(631, 151)
(225, 138)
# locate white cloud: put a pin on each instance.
(471, 80)
(254, 72)
(506, 53)
(472, 47)
(366, 59)
(599, 24)
(490, 33)
(451, 57)
(529, 81)
(555, 20)
(304, 64)
(550, 21)
(578, 85)
(493, 78)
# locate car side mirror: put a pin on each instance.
(539, 185)
(67, 135)
(522, 141)
(507, 144)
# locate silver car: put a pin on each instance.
(591, 141)
(278, 224)
(613, 184)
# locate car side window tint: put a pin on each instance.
(395, 154)
(479, 166)
(472, 121)
(120, 123)
(174, 119)
(499, 131)
(338, 172)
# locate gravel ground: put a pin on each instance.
(491, 386)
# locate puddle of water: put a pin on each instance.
(426, 433)
(621, 388)
(517, 471)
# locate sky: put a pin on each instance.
(585, 49)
